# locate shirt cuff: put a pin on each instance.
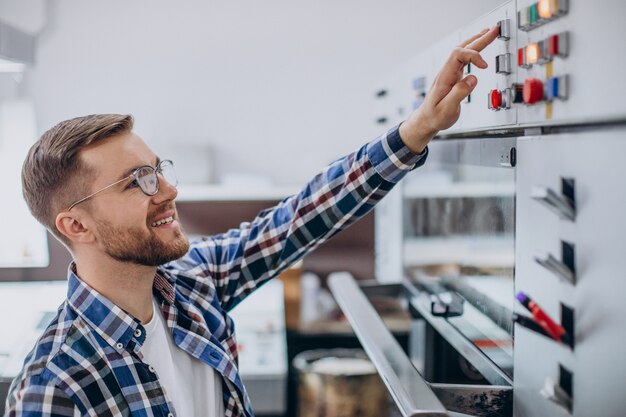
(391, 158)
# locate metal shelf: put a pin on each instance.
(470, 251)
(459, 189)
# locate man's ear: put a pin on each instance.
(71, 225)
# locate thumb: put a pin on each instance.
(460, 90)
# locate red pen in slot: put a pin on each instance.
(556, 331)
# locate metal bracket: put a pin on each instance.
(565, 269)
(564, 204)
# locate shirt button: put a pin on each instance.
(137, 333)
(119, 346)
(151, 369)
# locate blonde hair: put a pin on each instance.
(53, 175)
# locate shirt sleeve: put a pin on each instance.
(240, 260)
(39, 400)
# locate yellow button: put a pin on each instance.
(532, 53)
(545, 9)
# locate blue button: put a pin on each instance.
(553, 88)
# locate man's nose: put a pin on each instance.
(166, 191)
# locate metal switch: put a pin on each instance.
(543, 57)
(503, 64)
(523, 19)
(505, 29)
(517, 93)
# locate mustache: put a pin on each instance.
(165, 208)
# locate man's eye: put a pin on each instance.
(132, 184)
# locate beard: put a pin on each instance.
(137, 246)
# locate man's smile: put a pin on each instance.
(166, 220)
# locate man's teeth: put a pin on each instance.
(163, 221)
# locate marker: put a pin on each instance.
(555, 331)
(530, 324)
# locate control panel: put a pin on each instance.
(555, 62)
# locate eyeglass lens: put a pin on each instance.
(148, 180)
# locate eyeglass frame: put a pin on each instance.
(155, 171)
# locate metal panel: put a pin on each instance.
(597, 361)
(475, 114)
(593, 67)
(594, 64)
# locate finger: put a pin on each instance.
(468, 56)
(459, 92)
(484, 40)
(444, 86)
(473, 38)
(452, 71)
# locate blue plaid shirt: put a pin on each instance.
(88, 362)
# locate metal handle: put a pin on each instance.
(560, 204)
(446, 305)
(553, 392)
(410, 391)
(555, 266)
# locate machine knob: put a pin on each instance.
(533, 90)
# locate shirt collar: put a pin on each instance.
(114, 325)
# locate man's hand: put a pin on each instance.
(442, 106)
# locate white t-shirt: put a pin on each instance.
(192, 386)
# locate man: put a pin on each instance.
(145, 329)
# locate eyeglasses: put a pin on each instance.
(146, 178)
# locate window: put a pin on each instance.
(23, 241)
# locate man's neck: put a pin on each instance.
(129, 286)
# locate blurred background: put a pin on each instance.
(250, 99)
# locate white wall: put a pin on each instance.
(276, 87)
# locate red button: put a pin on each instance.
(521, 56)
(553, 45)
(533, 90)
(495, 96)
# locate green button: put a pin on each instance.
(533, 14)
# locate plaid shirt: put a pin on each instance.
(89, 362)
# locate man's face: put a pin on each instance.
(129, 225)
